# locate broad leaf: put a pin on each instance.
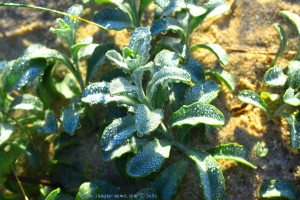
(140, 44)
(23, 71)
(166, 24)
(212, 181)
(234, 152)
(117, 132)
(70, 117)
(57, 195)
(121, 85)
(203, 92)
(167, 183)
(149, 158)
(166, 58)
(216, 49)
(27, 102)
(165, 75)
(195, 10)
(278, 189)
(283, 41)
(275, 76)
(99, 93)
(291, 98)
(5, 131)
(222, 76)
(174, 44)
(96, 59)
(48, 125)
(98, 189)
(87, 51)
(254, 99)
(294, 74)
(113, 19)
(195, 69)
(294, 126)
(197, 113)
(216, 7)
(76, 47)
(117, 59)
(147, 121)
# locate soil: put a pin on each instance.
(248, 35)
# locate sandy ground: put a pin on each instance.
(248, 35)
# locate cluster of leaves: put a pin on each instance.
(287, 103)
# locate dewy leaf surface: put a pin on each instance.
(113, 19)
(149, 158)
(165, 75)
(121, 85)
(117, 59)
(275, 76)
(70, 117)
(234, 152)
(27, 102)
(278, 188)
(216, 49)
(294, 74)
(294, 128)
(204, 92)
(212, 181)
(166, 58)
(254, 99)
(146, 120)
(48, 125)
(117, 132)
(168, 181)
(222, 76)
(195, 69)
(197, 113)
(166, 24)
(291, 98)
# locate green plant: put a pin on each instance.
(159, 121)
(287, 79)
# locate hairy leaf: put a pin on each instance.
(232, 151)
(76, 47)
(166, 24)
(294, 74)
(278, 188)
(6, 130)
(70, 117)
(149, 158)
(146, 120)
(195, 69)
(211, 178)
(166, 58)
(174, 44)
(117, 132)
(216, 49)
(168, 181)
(222, 76)
(117, 59)
(275, 76)
(216, 7)
(113, 19)
(195, 10)
(27, 102)
(294, 126)
(197, 113)
(204, 92)
(165, 75)
(254, 99)
(121, 85)
(291, 98)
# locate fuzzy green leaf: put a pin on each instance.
(147, 121)
(234, 152)
(294, 74)
(168, 181)
(294, 126)
(212, 181)
(275, 76)
(283, 41)
(222, 76)
(195, 69)
(117, 132)
(166, 58)
(197, 113)
(166, 24)
(117, 59)
(174, 44)
(58, 195)
(149, 158)
(94, 190)
(203, 92)
(165, 75)
(27, 102)
(291, 98)
(5, 131)
(278, 189)
(216, 49)
(70, 117)
(121, 85)
(113, 19)
(195, 10)
(216, 7)
(254, 99)
(76, 47)
(48, 125)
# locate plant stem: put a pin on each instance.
(167, 133)
(53, 11)
(278, 111)
(19, 183)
